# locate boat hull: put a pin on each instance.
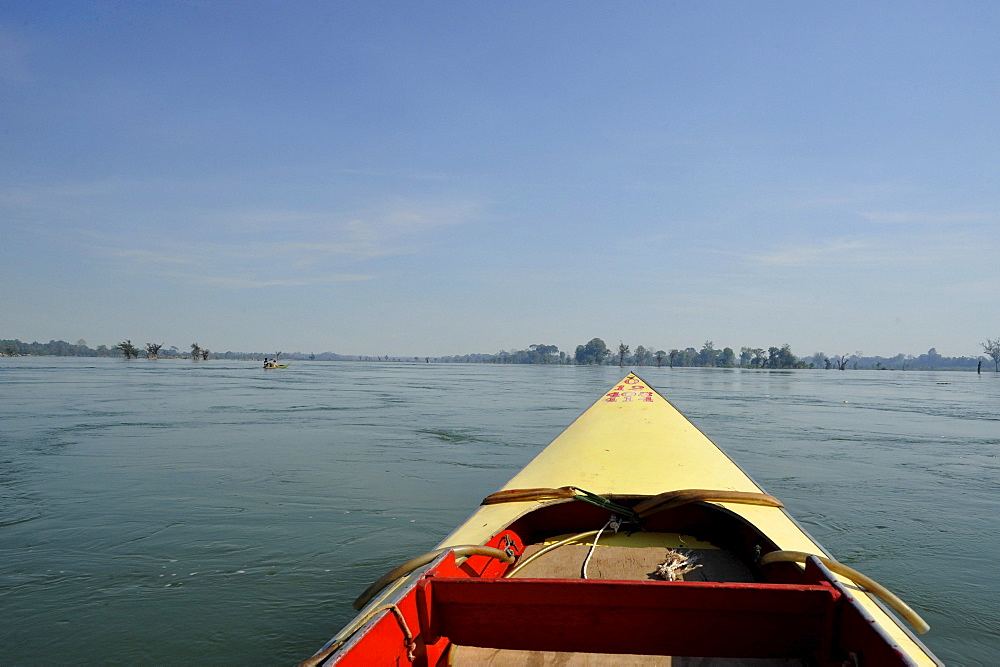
(631, 446)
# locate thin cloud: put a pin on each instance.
(406, 218)
(926, 252)
(255, 283)
(301, 251)
(143, 256)
(929, 219)
(247, 266)
(310, 249)
(808, 255)
(365, 232)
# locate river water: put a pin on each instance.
(179, 512)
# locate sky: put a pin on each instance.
(446, 178)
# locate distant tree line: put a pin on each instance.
(597, 352)
(594, 352)
(125, 349)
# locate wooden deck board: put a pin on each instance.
(624, 563)
(460, 656)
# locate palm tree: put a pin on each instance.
(153, 349)
(195, 350)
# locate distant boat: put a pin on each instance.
(693, 559)
(271, 364)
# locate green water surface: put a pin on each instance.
(179, 512)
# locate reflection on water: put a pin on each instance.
(173, 512)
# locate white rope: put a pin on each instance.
(614, 523)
